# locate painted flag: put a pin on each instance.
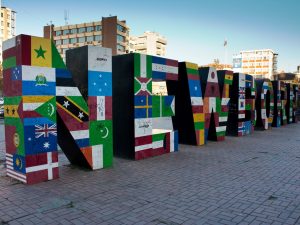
(94, 156)
(57, 61)
(164, 69)
(39, 106)
(143, 147)
(192, 71)
(143, 127)
(11, 172)
(42, 167)
(9, 53)
(41, 52)
(142, 86)
(195, 88)
(142, 66)
(163, 106)
(100, 107)
(12, 107)
(64, 78)
(99, 83)
(101, 132)
(75, 106)
(81, 137)
(142, 106)
(12, 82)
(38, 81)
(40, 135)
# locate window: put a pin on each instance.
(89, 29)
(121, 28)
(58, 42)
(8, 24)
(98, 28)
(90, 38)
(1, 14)
(98, 38)
(72, 40)
(81, 39)
(65, 32)
(74, 31)
(81, 30)
(65, 41)
(120, 48)
(1, 23)
(120, 38)
(57, 33)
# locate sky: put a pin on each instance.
(195, 29)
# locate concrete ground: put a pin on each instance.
(248, 180)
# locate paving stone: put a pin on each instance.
(248, 180)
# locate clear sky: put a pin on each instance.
(195, 29)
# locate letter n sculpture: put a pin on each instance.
(43, 107)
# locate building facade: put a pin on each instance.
(259, 63)
(150, 43)
(109, 32)
(8, 26)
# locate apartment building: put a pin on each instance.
(109, 32)
(259, 63)
(150, 43)
(8, 26)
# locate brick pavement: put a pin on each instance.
(248, 180)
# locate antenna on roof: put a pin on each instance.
(66, 16)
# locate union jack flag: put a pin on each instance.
(45, 130)
(242, 93)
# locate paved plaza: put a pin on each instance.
(248, 180)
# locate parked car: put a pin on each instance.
(2, 111)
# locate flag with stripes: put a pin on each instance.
(11, 165)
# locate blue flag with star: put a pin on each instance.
(100, 83)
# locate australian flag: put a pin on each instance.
(40, 135)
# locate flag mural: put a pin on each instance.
(215, 104)
(295, 102)
(189, 117)
(30, 109)
(280, 99)
(242, 113)
(84, 105)
(264, 104)
(43, 107)
(157, 102)
(142, 120)
(291, 104)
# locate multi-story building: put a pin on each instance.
(8, 26)
(109, 32)
(259, 63)
(150, 43)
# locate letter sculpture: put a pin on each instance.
(142, 122)
(242, 113)
(34, 74)
(264, 104)
(280, 99)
